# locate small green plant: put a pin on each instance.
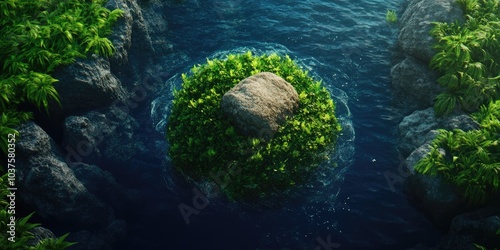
(203, 143)
(469, 160)
(391, 16)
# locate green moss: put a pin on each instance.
(206, 146)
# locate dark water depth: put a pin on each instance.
(348, 45)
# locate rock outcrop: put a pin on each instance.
(260, 103)
(414, 84)
(415, 88)
(50, 186)
(88, 84)
(416, 23)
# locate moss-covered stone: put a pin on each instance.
(204, 145)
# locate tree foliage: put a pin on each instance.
(204, 144)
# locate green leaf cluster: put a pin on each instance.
(203, 143)
(23, 227)
(391, 16)
(469, 160)
(467, 57)
(36, 37)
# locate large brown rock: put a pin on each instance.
(260, 103)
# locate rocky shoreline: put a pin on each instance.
(415, 88)
(70, 162)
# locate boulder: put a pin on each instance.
(87, 84)
(95, 137)
(46, 183)
(416, 23)
(414, 129)
(477, 227)
(259, 104)
(414, 84)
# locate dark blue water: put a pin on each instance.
(348, 45)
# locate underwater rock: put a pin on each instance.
(260, 103)
(47, 183)
(414, 84)
(416, 23)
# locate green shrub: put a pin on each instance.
(204, 144)
(469, 160)
(467, 57)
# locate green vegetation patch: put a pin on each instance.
(469, 160)
(468, 58)
(36, 38)
(204, 145)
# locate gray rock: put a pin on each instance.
(414, 128)
(88, 84)
(477, 227)
(95, 137)
(47, 184)
(436, 197)
(260, 103)
(414, 84)
(414, 37)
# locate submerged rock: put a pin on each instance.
(260, 103)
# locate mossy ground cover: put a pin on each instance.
(468, 56)
(203, 143)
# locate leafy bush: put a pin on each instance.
(203, 144)
(469, 160)
(36, 38)
(467, 56)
